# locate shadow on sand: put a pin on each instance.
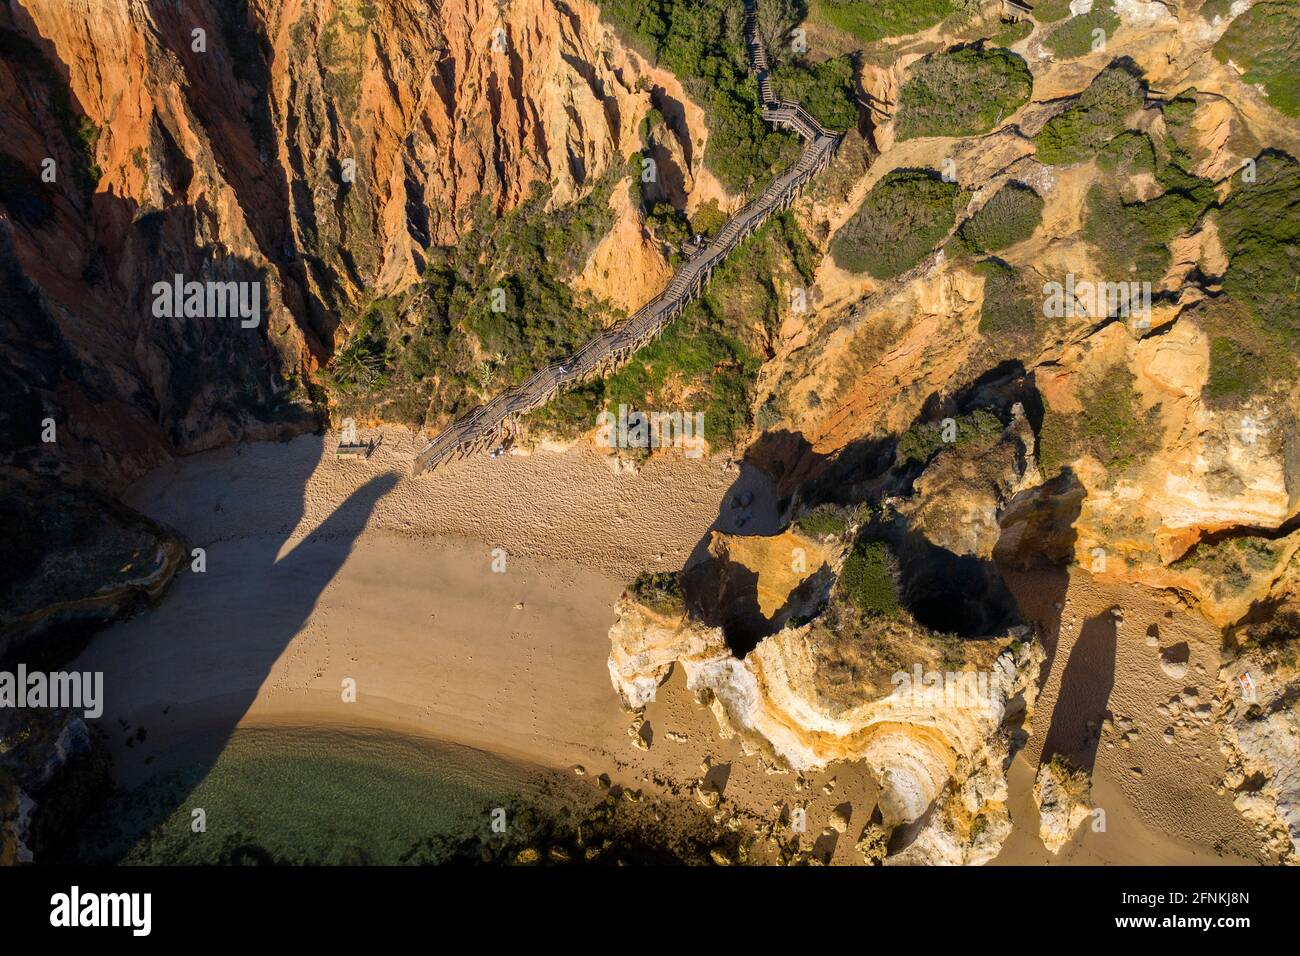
(198, 660)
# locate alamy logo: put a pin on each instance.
(208, 300)
(953, 690)
(74, 908)
(75, 691)
(631, 429)
(1129, 300)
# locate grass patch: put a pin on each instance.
(962, 92)
(1236, 372)
(1076, 36)
(1012, 33)
(904, 216)
(1050, 11)
(823, 521)
(1132, 238)
(1095, 118)
(1231, 563)
(1264, 42)
(1009, 217)
(871, 20)
(1246, 359)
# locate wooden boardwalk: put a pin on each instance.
(488, 424)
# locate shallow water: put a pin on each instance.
(314, 796)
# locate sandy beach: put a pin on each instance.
(473, 606)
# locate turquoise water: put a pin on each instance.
(312, 796)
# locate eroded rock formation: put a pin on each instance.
(803, 645)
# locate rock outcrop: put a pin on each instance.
(1063, 794)
(1256, 712)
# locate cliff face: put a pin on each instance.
(315, 147)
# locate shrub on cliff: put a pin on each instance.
(702, 43)
(1050, 11)
(904, 216)
(827, 89)
(1264, 43)
(1008, 313)
(1010, 216)
(660, 591)
(869, 580)
(823, 521)
(1110, 426)
(1093, 119)
(962, 92)
(924, 440)
(1259, 227)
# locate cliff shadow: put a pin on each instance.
(180, 678)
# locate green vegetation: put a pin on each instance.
(870, 581)
(1110, 426)
(669, 225)
(1264, 42)
(871, 20)
(1277, 636)
(1132, 238)
(489, 312)
(962, 92)
(904, 216)
(1012, 33)
(823, 521)
(1049, 11)
(1232, 562)
(924, 440)
(827, 89)
(702, 42)
(1128, 154)
(660, 591)
(1179, 136)
(1076, 36)
(711, 353)
(1246, 358)
(708, 218)
(1235, 372)
(1092, 120)
(1259, 227)
(1008, 313)
(1009, 217)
